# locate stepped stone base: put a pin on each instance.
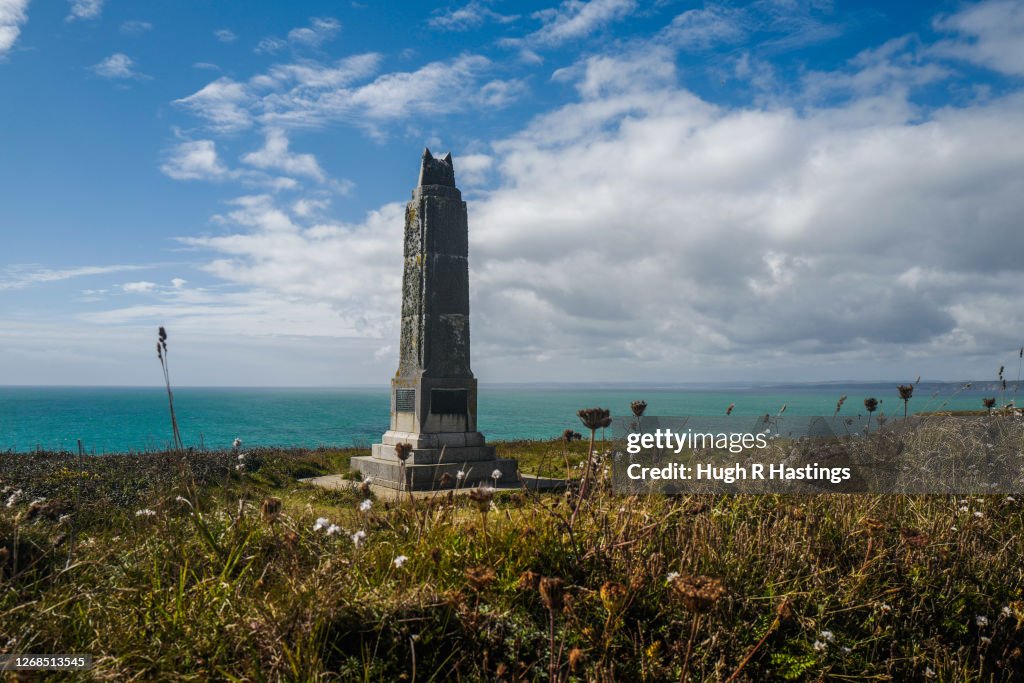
(425, 468)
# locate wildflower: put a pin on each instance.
(400, 560)
(366, 505)
(1007, 612)
(241, 457)
(827, 636)
(984, 640)
(482, 496)
(460, 475)
(321, 523)
(333, 529)
(145, 512)
(240, 468)
(671, 576)
(358, 538)
(979, 514)
(820, 646)
(236, 443)
(1011, 499)
(885, 608)
(928, 672)
(964, 508)
(981, 620)
(15, 497)
(496, 475)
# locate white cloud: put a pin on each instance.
(141, 287)
(310, 93)
(225, 35)
(135, 27)
(275, 155)
(12, 16)
(223, 103)
(575, 19)
(319, 31)
(473, 169)
(988, 34)
(21, 276)
(85, 9)
(117, 66)
(195, 160)
(268, 46)
(466, 17)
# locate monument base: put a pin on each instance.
(433, 456)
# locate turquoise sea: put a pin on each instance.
(122, 419)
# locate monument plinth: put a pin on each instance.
(433, 393)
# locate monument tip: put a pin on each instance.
(434, 171)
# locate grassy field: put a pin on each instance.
(189, 567)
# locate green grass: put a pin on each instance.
(870, 587)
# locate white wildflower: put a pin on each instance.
(671, 576)
(1006, 611)
(321, 523)
(358, 538)
(979, 514)
(496, 475)
(827, 636)
(400, 560)
(15, 497)
(885, 608)
(145, 512)
(366, 505)
(928, 672)
(240, 467)
(333, 529)
(981, 620)
(964, 508)
(820, 646)
(241, 456)
(460, 475)
(1011, 499)
(985, 640)
(236, 443)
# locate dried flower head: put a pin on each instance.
(403, 451)
(871, 404)
(638, 408)
(595, 418)
(613, 596)
(906, 391)
(446, 480)
(482, 496)
(576, 659)
(270, 508)
(529, 580)
(552, 592)
(568, 435)
(480, 577)
(698, 593)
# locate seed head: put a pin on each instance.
(698, 593)
(638, 408)
(552, 592)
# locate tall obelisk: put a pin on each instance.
(433, 394)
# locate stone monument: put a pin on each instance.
(433, 393)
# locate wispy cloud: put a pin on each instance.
(468, 16)
(84, 9)
(225, 35)
(319, 31)
(118, 66)
(21, 276)
(135, 27)
(575, 19)
(12, 15)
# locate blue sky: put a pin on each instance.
(668, 191)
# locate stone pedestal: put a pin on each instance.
(433, 393)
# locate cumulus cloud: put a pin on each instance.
(275, 155)
(311, 93)
(12, 16)
(194, 160)
(642, 226)
(85, 9)
(117, 66)
(987, 34)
